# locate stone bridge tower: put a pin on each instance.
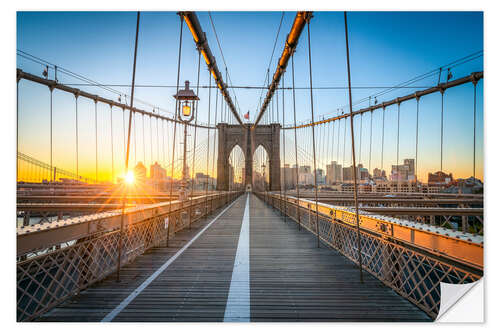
(267, 136)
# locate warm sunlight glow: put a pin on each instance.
(129, 178)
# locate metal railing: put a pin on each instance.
(401, 255)
(57, 260)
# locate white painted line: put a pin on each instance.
(238, 300)
(110, 316)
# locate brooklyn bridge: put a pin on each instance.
(204, 212)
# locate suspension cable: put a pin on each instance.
(216, 137)
(143, 142)
(371, 136)
(474, 142)
(382, 146)
(360, 137)
(194, 139)
(134, 119)
(18, 177)
(157, 142)
(295, 135)
(127, 151)
(175, 124)
(313, 135)
(343, 149)
(150, 141)
(112, 148)
(338, 148)
(397, 147)
(163, 142)
(51, 135)
(76, 132)
(96, 159)
(208, 135)
(353, 153)
(416, 140)
(442, 128)
(124, 139)
(284, 144)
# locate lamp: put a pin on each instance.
(186, 103)
(186, 100)
(186, 109)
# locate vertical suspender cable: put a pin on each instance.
(343, 149)
(112, 148)
(157, 142)
(96, 170)
(338, 147)
(382, 147)
(143, 142)
(52, 177)
(442, 127)
(135, 138)
(17, 134)
(371, 136)
(277, 108)
(312, 127)
(474, 142)
(163, 141)
(150, 141)
(360, 135)
(128, 147)
(397, 147)
(216, 136)
(416, 140)
(295, 135)
(279, 166)
(194, 138)
(76, 132)
(175, 127)
(208, 136)
(333, 142)
(284, 143)
(353, 152)
(124, 139)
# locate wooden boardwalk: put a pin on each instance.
(287, 278)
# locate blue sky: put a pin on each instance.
(386, 48)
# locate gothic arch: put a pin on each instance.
(248, 140)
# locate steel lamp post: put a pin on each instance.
(186, 108)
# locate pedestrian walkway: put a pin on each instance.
(245, 263)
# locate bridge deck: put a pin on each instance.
(279, 275)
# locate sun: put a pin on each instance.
(129, 178)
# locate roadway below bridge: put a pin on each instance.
(245, 263)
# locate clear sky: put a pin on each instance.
(386, 48)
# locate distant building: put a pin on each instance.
(306, 179)
(333, 173)
(140, 172)
(347, 175)
(404, 172)
(288, 177)
(157, 172)
(439, 178)
(320, 176)
(158, 176)
(363, 173)
(379, 174)
(305, 175)
(305, 169)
